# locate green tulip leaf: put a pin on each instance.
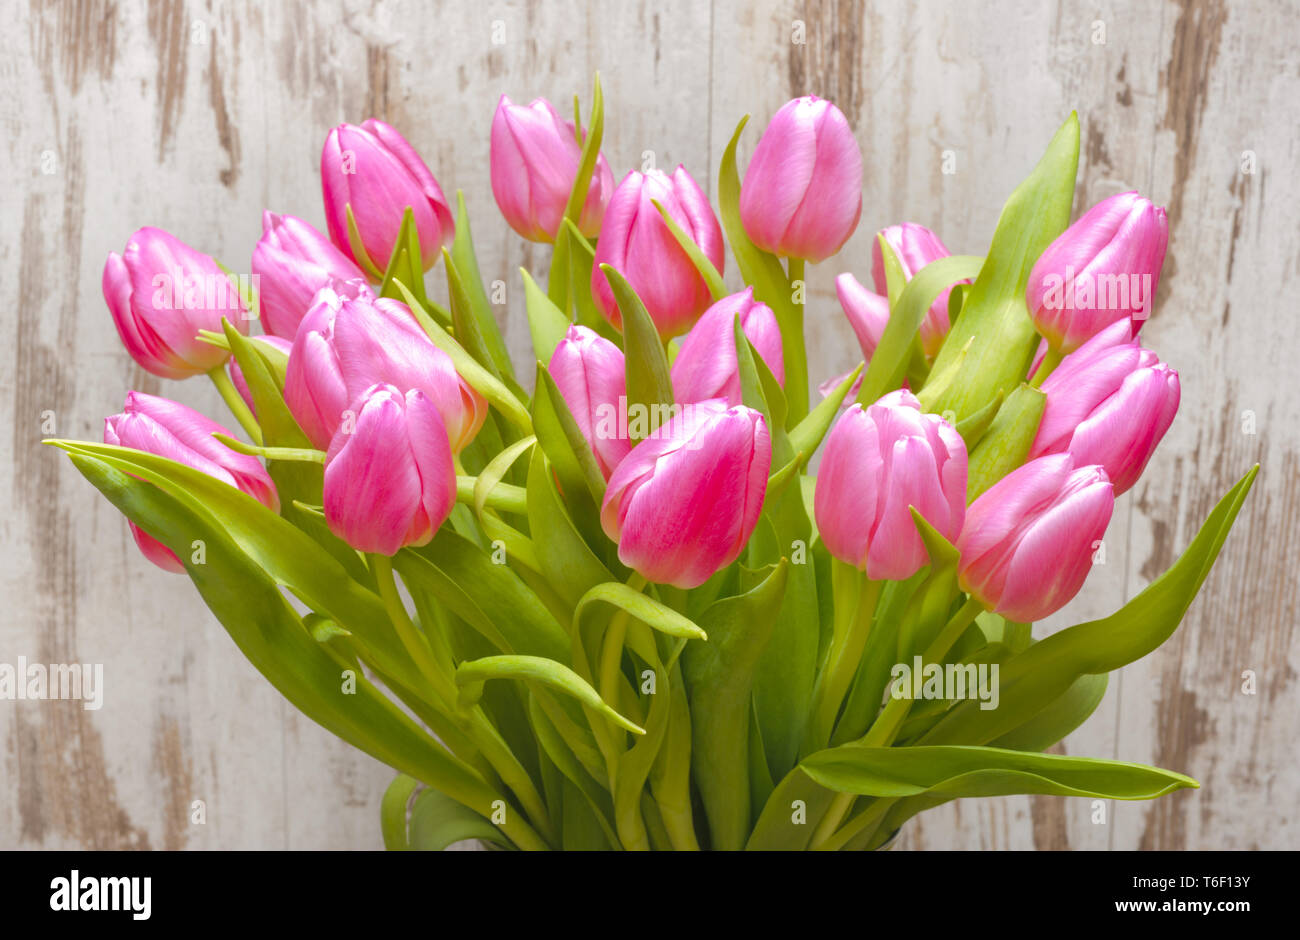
(471, 675)
(436, 822)
(962, 771)
(719, 677)
(717, 287)
(547, 323)
(889, 362)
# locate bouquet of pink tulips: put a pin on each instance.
(620, 611)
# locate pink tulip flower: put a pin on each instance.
(706, 365)
(590, 373)
(683, 503)
(292, 261)
(350, 341)
(1103, 268)
(390, 480)
(915, 246)
(867, 313)
(169, 429)
(1028, 541)
(802, 194)
(1108, 404)
(534, 160)
(374, 170)
(161, 293)
(635, 242)
(879, 461)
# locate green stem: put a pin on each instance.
(856, 597)
(504, 496)
(1051, 360)
(238, 407)
(794, 351)
(476, 724)
(885, 728)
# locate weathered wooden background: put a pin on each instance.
(194, 116)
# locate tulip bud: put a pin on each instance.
(706, 365)
(1109, 405)
(684, 501)
(350, 341)
(880, 461)
(802, 194)
(237, 375)
(534, 160)
(1028, 542)
(161, 293)
(867, 312)
(390, 481)
(375, 171)
(1103, 268)
(292, 261)
(169, 429)
(915, 246)
(636, 242)
(590, 373)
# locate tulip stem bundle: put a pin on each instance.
(230, 395)
(617, 611)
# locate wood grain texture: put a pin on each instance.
(195, 116)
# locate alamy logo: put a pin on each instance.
(954, 681)
(83, 681)
(1098, 292)
(75, 893)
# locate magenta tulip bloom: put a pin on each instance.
(706, 365)
(161, 293)
(635, 242)
(915, 246)
(375, 171)
(867, 312)
(169, 429)
(237, 375)
(684, 502)
(390, 481)
(292, 261)
(1108, 404)
(879, 461)
(534, 159)
(1028, 542)
(350, 341)
(591, 376)
(802, 194)
(1103, 268)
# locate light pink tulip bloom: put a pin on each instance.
(867, 313)
(802, 194)
(169, 429)
(350, 341)
(534, 160)
(161, 293)
(915, 246)
(879, 461)
(1028, 542)
(635, 241)
(591, 375)
(389, 482)
(1103, 268)
(1108, 404)
(237, 375)
(685, 501)
(706, 365)
(292, 261)
(374, 170)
